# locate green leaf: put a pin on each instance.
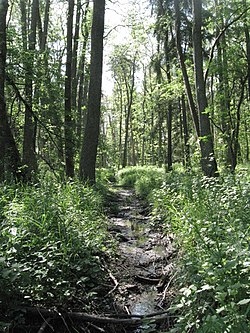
(244, 301)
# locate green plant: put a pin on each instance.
(143, 179)
(52, 239)
(210, 220)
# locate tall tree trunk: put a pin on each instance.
(75, 56)
(130, 91)
(9, 154)
(169, 163)
(185, 132)
(81, 78)
(91, 134)
(247, 36)
(188, 89)
(68, 117)
(208, 162)
(29, 141)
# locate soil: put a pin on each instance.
(142, 271)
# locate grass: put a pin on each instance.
(52, 239)
(143, 179)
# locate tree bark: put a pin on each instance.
(29, 140)
(208, 161)
(185, 132)
(130, 91)
(9, 154)
(91, 134)
(188, 89)
(68, 118)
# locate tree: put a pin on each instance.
(9, 154)
(29, 140)
(91, 134)
(208, 162)
(68, 117)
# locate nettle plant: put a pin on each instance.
(210, 218)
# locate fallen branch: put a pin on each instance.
(79, 316)
(147, 280)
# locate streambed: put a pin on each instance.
(143, 266)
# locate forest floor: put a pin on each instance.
(136, 292)
(141, 272)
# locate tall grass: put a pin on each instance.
(143, 178)
(52, 238)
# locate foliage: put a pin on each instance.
(52, 239)
(210, 220)
(143, 179)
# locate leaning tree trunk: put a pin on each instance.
(208, 161)
(91, 133)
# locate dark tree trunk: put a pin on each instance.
(68, 117)
(9, 155)
(91, 133)
(208, 162)
(169, 163)
(29, 141)
(185, 133)
(188, 89)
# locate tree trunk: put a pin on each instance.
(130, 91)
(188, 89)
(29, 141)
(208, 162)
(82, 91)
(169, 163)
(9, 154)
(91, 134)
(68, 118)
(246, 28)
(185, 133)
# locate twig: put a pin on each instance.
(45, 321)
(97, 328)
(166, 289)
(113, 278)
(45, 324)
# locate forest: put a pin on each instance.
(124, 166)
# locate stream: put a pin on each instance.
(143, 265)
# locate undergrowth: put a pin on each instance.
(142, 178)
(210, 219)
(52, 239)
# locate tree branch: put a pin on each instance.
(218, 39)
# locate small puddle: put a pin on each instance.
(145, 304)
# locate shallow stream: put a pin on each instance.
(144, 259)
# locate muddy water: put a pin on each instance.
(144, 259)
